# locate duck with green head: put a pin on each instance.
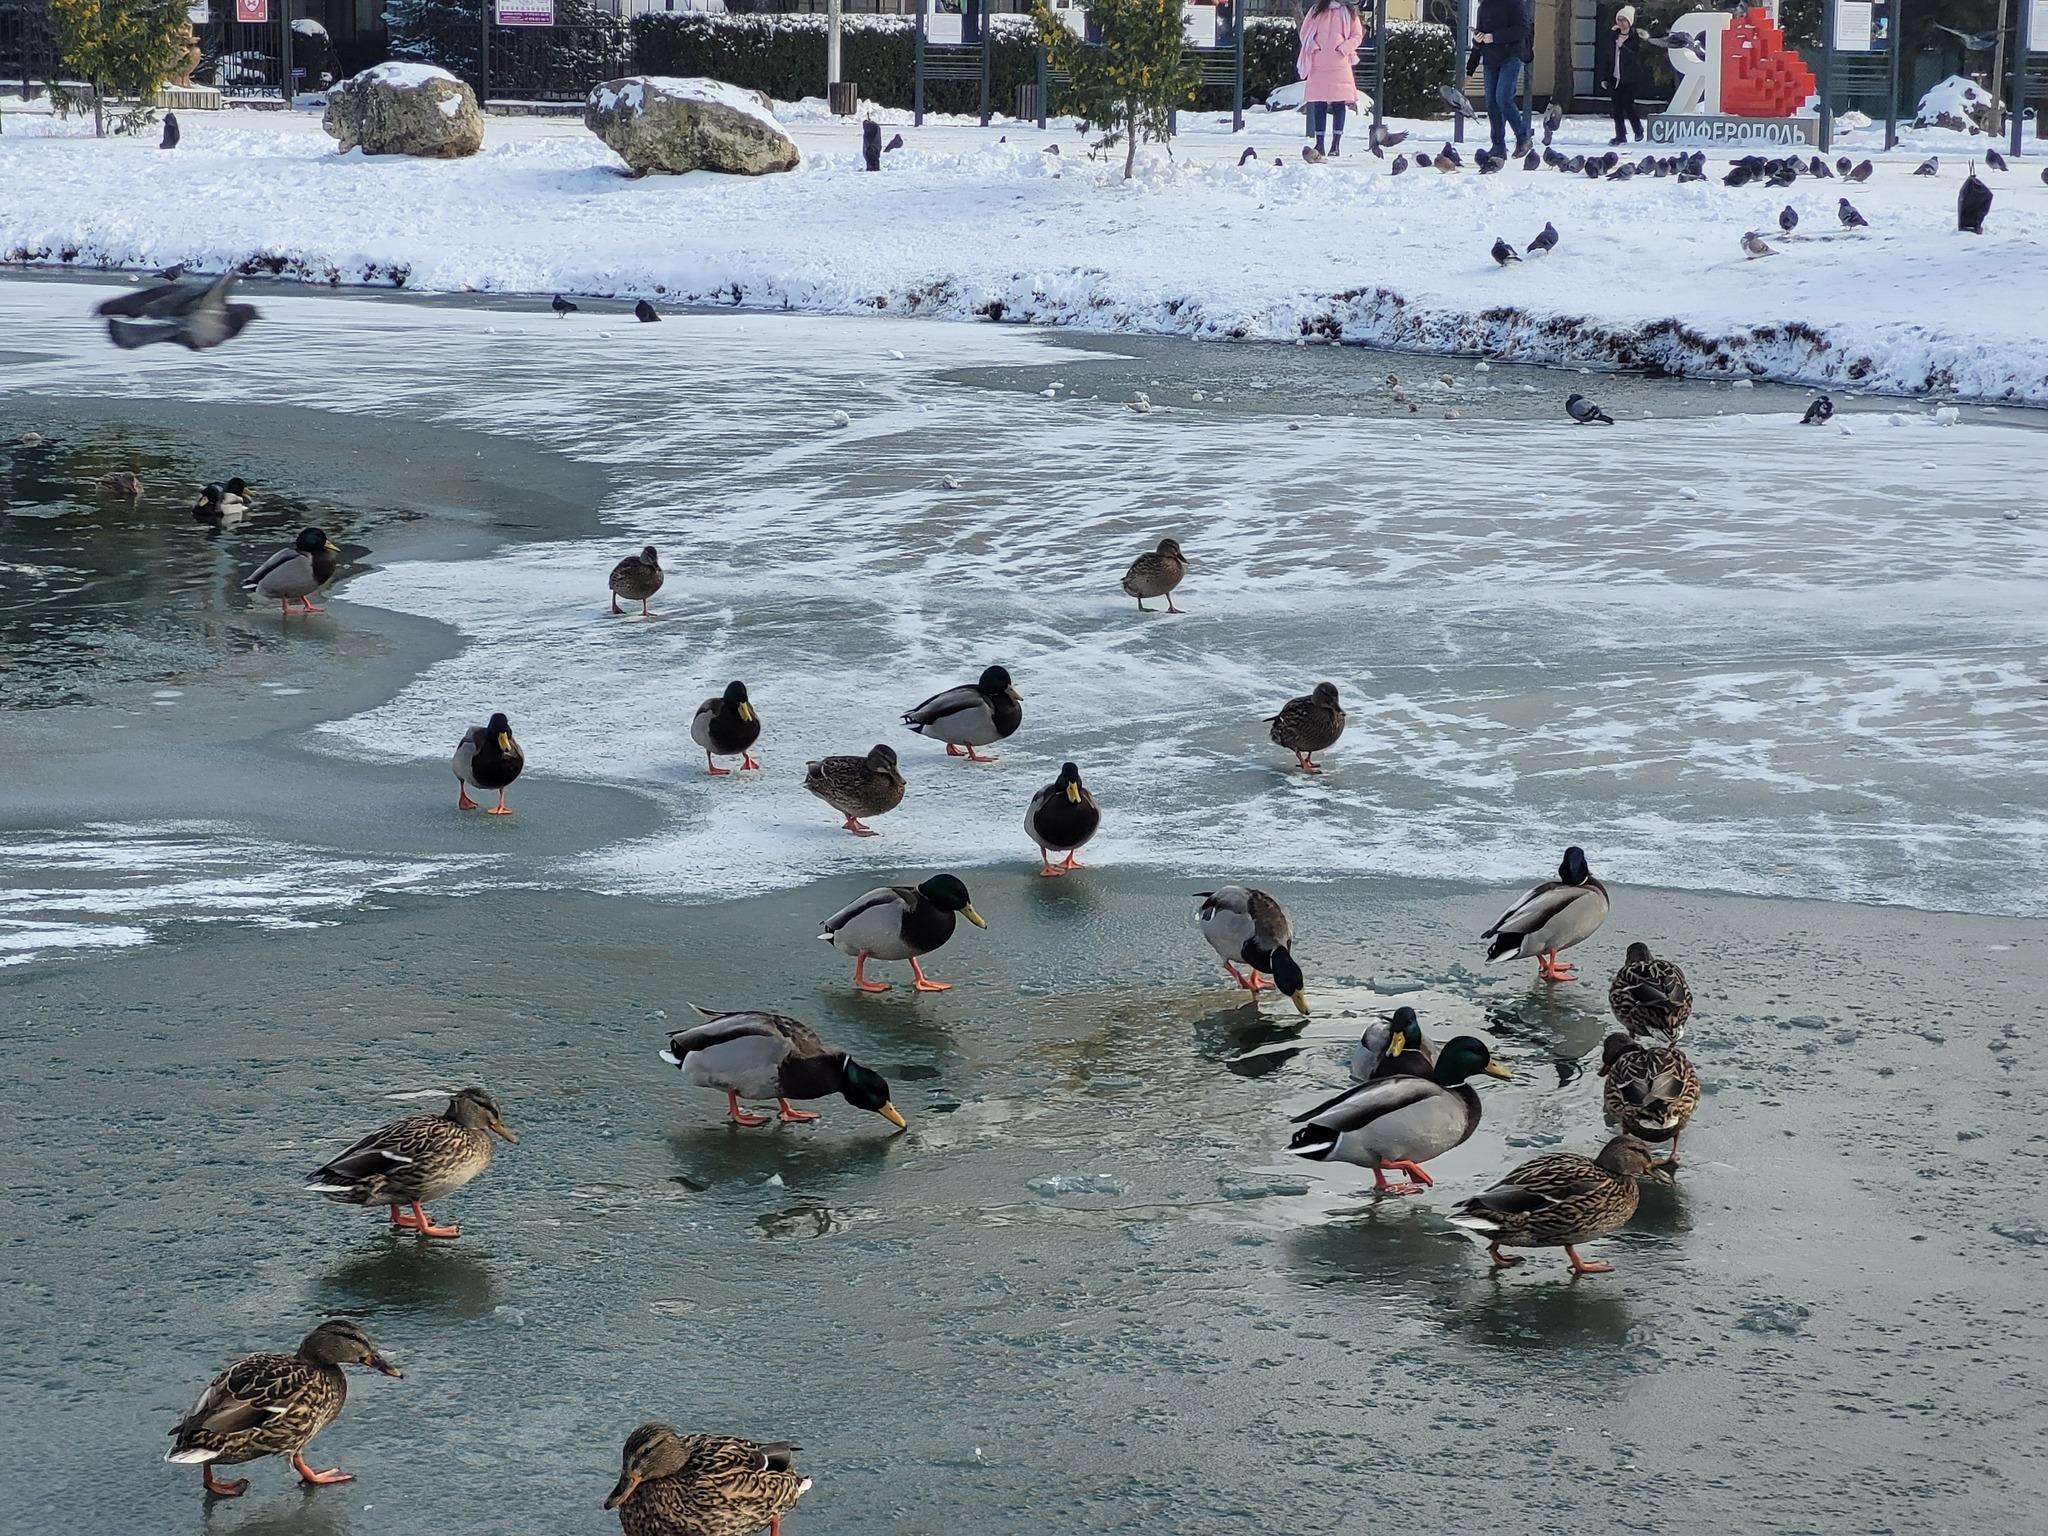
(769, 1056)
(1245, 925)
(297, 572)
(972, 715)
(1400, 1122)
(900, 922)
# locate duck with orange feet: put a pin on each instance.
(1061, 817)
(1400, 1122)
(1560, 1200)
(420, 1158)
(727, 726)
(1246, 926)
(901, 922)
(1550, 917)
(487, 758)
(762, 1056)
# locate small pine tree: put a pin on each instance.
(124, 47)
(1134, 81)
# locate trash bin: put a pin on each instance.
(1027, 102)
(845, 96)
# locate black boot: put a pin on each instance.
(1336, 142)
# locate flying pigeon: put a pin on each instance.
(1851, 219)
(1995, 161)
(1753, 246)
(1457, 101)
(1531, 161)
(1931, 166)
(1249, 154)
(1585, 412)
(1553, 119)
(1400, 164)
(1386, 139)
(194, 317)
(1788, 219)
(1818, 412)
(644, 312)
(171, 133)
(1973, 42)
(1546, 242)
(562, 307)
(1972, 203)
(895, 142)
(1503, 252)
(1862, 171)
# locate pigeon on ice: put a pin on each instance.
(644, 312)
(1972, 203)
(1753, 246)
(1931, 166)
(171, 134)
(1788, 218)
(1993, 160)
(1585, 412)
(1503, 253)
(1400, 164)
(194, 317)
(1818, 412)
(1851, 219)
(1546, 242)
(562, 307)
(1862, 171)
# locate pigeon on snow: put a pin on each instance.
(1931, 166)
(1753, 245)
(1851, 219)
(171, 134)
(1788, 219)
(1818, 412)
(1400, 164)
(1544, 243)
(1862, 171)
(1993, 160)
(1585, 412)
(1503, 253)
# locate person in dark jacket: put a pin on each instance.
(1498, 38)
(1621, 72)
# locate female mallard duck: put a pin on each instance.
(1307, 725)
(1650, 996)
(297, 572)
(1063, 816)
(970, 716)
(1250, 927)
(857, 786)
(703, 1485)
(418, 1159)
(223, 501)
(272, 1405)
(1552, 916)
(1156, 573)
(121, 483)
(1400, 1122)
(1392, 1046)
(1652, 1091)
(900, 922)
(637, 578)
(768, 1056)
(726, 727)
(1560, 1200)
(487, 758)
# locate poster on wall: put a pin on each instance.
(252, 10)
(1853, 32)
(526, 13)
(199, 15)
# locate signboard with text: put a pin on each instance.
(1733, 132)
(252, 10)
(526, 13)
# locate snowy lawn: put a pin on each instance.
(966, 222)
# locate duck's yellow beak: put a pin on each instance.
(746, 712)
(1301, 1003)
(622, 1490)
(972, 916)
(333, 548)
(1397, 1042)
(503, 1130)
(1074, 793)
(888, 1113)
(1495, 1069)
(504, 741)
(1013, 693)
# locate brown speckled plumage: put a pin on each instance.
(1650, 996)
(702, 1485)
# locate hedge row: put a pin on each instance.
(784, 56)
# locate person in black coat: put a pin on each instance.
(1621, 73)
(1498, 39)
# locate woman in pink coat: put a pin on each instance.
(1330, 35)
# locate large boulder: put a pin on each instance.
(1961, 104)
(655, 123)
(405, 109)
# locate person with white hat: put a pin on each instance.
(1621, 72)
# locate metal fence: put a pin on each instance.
(28, 49)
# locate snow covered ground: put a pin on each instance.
(968, 222)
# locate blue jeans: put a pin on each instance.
(1502, 81)
(1320, 112)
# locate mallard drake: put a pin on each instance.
(1250, 927)
(727, 726)
(297, 572)
(1063, 816)
(1400, 1122)
(858, 786)
(487, 758)
(418, 1159)
(768, 1056)
(703, 1485)
(637, 578)
(1552, 916)
(972, 715)
(1156, 573)
(120, 483)
(223, 501)
(1392, 1046)
(1650, 996)
(900, 922)
(1309, 724)
(1560, 1200)
(272, 1405)
(1652, 1091)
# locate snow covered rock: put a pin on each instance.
(1960, 104)
(656, 123)
(405, 109)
